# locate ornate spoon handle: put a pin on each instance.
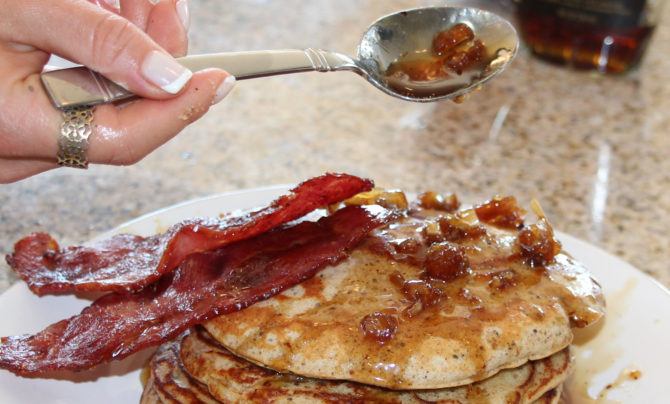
(79, 86)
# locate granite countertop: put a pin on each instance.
(593, 149)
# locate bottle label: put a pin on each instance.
(609, 13)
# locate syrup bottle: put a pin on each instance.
(606, 35)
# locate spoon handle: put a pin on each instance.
(79, 86)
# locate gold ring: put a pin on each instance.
(74, 134)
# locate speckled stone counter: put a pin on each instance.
(593, 149)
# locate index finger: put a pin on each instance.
(101, 40)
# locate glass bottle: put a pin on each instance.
(606, 35)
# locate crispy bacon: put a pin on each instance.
(127, 263)
(203, 286)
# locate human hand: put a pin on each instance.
(127, 41)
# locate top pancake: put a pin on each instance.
(500, 315)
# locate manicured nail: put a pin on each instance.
(165, 72)
(115, 4)
(182, 12)
(224, 89)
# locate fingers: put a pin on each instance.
(166, 22)
(96, 35)
(121, 135)
(125, 135)
(168, 25)
(136, 11)
(101, 40)
(29, 125)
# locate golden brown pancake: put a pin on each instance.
(169, 383)
(551, 397)
(149, 395)
(506, 311)
(183, 372)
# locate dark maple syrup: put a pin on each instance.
(609, 36)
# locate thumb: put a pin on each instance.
(102, 41)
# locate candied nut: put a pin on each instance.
(379, 196)
(538, 244)
(379, 326)
(446, 261)
(421, 294)
(456, 230)
(457, 61)
(433, 200)
(420, 290)
(420, 69)
(446, 41)
(432, 233)
(502, 212)
(408, 246)
(467, 215)
(461, 61)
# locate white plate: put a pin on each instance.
(634, 336)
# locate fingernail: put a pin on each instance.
(154, 2)
(165, 72)
(184, 15)
(115, 4)
(224, 89)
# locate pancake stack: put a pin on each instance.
(442, 306)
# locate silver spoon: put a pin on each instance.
(385, 41)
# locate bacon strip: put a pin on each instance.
(203, 286)
(127, 263)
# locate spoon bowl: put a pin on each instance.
(387, 40)
(396, 35)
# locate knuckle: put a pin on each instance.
(112, 37)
